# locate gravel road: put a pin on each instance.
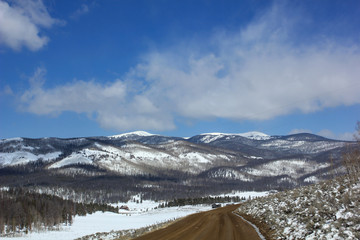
(218, 224)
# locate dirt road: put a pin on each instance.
(218, 224)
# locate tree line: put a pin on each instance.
(202, 200)
(22, 211)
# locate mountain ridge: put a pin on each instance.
(230, 160)
(255, 135)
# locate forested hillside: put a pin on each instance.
(112, 169)
(326, 210)
(21, 211)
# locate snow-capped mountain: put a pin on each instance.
(210, 137)
(261, 145)
(132, 134)
(247, 157)
(256, 135)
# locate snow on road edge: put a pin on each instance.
(253, 225)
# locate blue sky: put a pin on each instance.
(179, 68)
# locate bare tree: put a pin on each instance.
(351, 158)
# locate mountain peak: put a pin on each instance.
(255, 135)
(136, 133)
(251, 135)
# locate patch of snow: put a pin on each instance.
(74, 158)
(247, 195)
(342, 213)
(18, 139)
(230, 174)
(27, 147)
(253, 225)
(210, 137)
(196, 157)
(22, 157)
(158, 157)
(302, 146)
(295, 168)
(312, 179)
(286, 180)
(254, 157)
(255, 135)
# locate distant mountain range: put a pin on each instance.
(244, 159)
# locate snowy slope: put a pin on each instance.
(83, 157)
(23, 157)
(229, 173)
(135, 158)
(301, 146)
(294, 168)
(255, 135)
(291, 170)
(176, 156)
(327, 210)
(211, 137)
(130, 134)
(252, 142)
(244, 157)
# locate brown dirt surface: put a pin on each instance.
(266, 230)
(216, 224)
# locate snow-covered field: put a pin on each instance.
(246, 195)
(108, 221)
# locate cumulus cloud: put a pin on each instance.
(114, 104)
(20, 24)
(257, 73)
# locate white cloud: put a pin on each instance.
(257, 73)
(347, 136)
(20, 24)
(82, 10)
(114, 104)
(327, 133)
